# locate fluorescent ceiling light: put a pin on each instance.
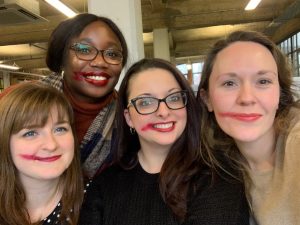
(252, 4)
(9, 67)
(62, 7)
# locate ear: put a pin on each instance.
(128, 118)
(205, 98)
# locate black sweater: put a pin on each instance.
(132, 197)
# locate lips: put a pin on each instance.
(246, 117)
(161, 127)
(42, 159)
(94, 78)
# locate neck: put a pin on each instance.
(152, 159)
(41, 198)
(260, 154)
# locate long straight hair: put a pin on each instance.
(183, 161)
(221, 147)
(30, 104)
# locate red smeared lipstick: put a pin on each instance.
(96, 78)
(246, 117)
(42, 159)
(161, 127)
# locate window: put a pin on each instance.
(291, 47)
(196, 71)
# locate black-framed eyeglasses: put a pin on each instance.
(87, 52)
(146, 105)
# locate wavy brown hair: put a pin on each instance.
(183, 161)
(27, 104)
(222, 148)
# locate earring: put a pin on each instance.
(132, 130)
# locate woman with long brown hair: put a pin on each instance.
(159, 176)
(251, 114)
(41, 181)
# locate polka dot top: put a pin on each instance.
(53, 218)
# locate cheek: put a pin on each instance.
(15, 149)
(271, 104)
(73, 64)
(67, 143)
(219, 103)
(141, 123)
(117, 71)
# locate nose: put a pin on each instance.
(246, 95)
(50, 142)
(163, 110)
(98, 60)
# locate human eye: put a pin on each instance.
(144, 102)
(83, 48)
(113, 53)
(29, 133)
(264, 81)
(176, 97)
(62, 129)
(229, 83)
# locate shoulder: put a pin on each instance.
(55, 80)
(295, 123)
(110, 176)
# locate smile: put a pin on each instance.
(42, 159)
(161, 127)
(95, 78)
(246, 117)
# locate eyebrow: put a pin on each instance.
(260, 72)
(110, 43)
(151, 95)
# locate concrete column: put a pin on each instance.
(161, 43)
(127, 14)
(6, 79)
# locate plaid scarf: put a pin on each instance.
(96, 145)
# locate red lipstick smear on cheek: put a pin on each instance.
(29, 157)
(147, 127)
(78, 76)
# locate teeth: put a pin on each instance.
(163, 126)
(96, 77)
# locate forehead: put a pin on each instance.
(99, 31)
(153, 81)
(241, 56)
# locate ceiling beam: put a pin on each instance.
(200, 19)
(29, 33)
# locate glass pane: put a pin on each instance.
(196, 78)
(183, 69)
(196, 67)
(294, 42)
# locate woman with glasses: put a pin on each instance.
(86, 54)
(159, 177)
